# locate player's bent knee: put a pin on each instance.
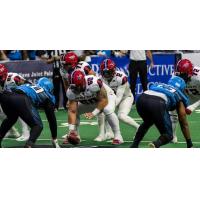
(37, 127)
(121, 116)
(169, 137)
(108, 110)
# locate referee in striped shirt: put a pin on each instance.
(54, 57)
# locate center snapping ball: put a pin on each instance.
(73, 138)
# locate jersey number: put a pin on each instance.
(37, 89)
(194, 91)
(118, 74)
(90, 81)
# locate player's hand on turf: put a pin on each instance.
(89, 115)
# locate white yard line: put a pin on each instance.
(109, 141)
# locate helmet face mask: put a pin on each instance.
(66, 66)
(78, 82)
(108, 74)
(184, 76)
(108, 69)
(77, 89)
(46, 84)
(69, 60)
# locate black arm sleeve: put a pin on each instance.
(49, 111)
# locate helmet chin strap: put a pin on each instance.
(185, 77)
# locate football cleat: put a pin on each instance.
(100, 138)
(29, 144)
(12, 134)
(174, 140)
(22, 138)
(151, 145)
(118, 140)
(109, 136)
(55, 144)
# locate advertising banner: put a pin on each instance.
(161, 72)
(31, 70)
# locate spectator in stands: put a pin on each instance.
(31, 54)
(106, 53)
(3, 55)
(119, 53)
(14, 54)
(138, 65)
(41, 55)
(88, 54)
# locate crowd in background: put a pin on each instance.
(7, 55)
(53, 56)
(44, 54)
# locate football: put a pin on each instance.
(73, 138)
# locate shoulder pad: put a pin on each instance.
(121, 77)
(94, 83)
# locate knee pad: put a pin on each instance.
(109, 109)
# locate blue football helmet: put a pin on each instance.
(46, 84)
(177, 82)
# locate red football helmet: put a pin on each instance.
(185, 66)
(3, 73)
(108, 68)
(78, 82)
(69, 60)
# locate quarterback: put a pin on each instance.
(118, 82)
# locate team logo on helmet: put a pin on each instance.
(78, 82)
(108, 68)
(69, 59)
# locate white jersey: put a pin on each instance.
(82, 66)
(193, 86)
(119, 84)
(12, 80)
(89, 96)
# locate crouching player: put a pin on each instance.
(118, 82)
(9, 80)
(88, 95)
(191, 75)
(154, 106)
(23, 102)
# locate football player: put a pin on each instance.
(70, 62)
(89, 95)
(118, 81)
(154, 105)
(23, 102)
(9, 80)
(191, 75)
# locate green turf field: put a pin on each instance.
(89, 130)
